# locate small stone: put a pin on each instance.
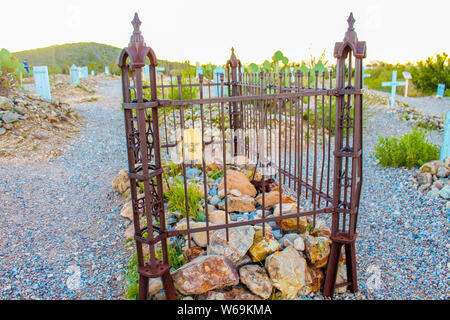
(238, 180)
(256, 280)
(154, 286)
(445, 192)
(432, 166)
(236, 293)
(218, 217)
(235, 192)
(5, 104)
(317, 250)
(263, 246)
(129, 232)
(2, 131)
(240, 240)
(243, 203)
(424, 178)
(443, 172)
(10, 117)
(299, 244)
(194, 252)
(127, 211)
(121, 182)
(243, 261)
(272, 198)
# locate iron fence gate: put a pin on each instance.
(282, 124)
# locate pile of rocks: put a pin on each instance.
(26, 117)
(434, 178)
(288, 260)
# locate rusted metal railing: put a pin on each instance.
(281, 123)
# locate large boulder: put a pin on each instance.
(263, 245)
(239, 181)
(121, 182)
(272, 198)
(317, 250)
(256, 280)
(240, 240)
(288, 271)
(317, 279)
(205, 273)
(290, 224)
(241, 204)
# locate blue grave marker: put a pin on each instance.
(365, 75)
(160, 69)
(440, 90)
(84, 72)
(199, 71)
(74, 75)
(217, 72)
(107, 70)
(92, 73)
(445, 147)
(42, 82)
(394, 84)
(146, 73)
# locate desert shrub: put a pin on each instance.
(176, 199)
(430, 73)
(215, 173)
(410, 150)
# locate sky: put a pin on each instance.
(204, 31)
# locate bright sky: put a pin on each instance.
(205, 30)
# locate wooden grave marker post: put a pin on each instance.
(217, 72)
(393, 84)
(406, 76)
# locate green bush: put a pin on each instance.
(430, 73)
(132, 279)
(176, 199)
(410, 150)
(176, 256)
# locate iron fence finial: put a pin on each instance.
(351, 21)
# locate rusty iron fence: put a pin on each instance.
(301, 132)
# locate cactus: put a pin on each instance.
(10, 68)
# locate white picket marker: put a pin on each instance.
(42, 82)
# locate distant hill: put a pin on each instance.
(59, 58)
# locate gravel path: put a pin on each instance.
(60, 229)
(403, 242)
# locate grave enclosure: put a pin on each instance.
(280, 123)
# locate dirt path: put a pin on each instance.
(60, 231)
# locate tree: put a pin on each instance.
(430, 73)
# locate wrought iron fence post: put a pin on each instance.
(347, 159)
(236, 118)
(144, 160)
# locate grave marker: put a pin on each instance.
(92, 73)
(42, 82)
(217, 72)
(445, 147)
(440, 90)
(146, 73)
(107, 70)
(160, 69)
(84, 72)
(393, 84)
(406, 76)
(198, 71)
(365, 75)
(74, 75)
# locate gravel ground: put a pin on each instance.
(403, 243)
(431, 105)
(60, 230)
(402, 248)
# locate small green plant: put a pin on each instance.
(176, 199)
(132, 279)
(176, 256)
(215, 174)
(410, 150)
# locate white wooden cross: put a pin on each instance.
(407, 76)
(394, 83)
